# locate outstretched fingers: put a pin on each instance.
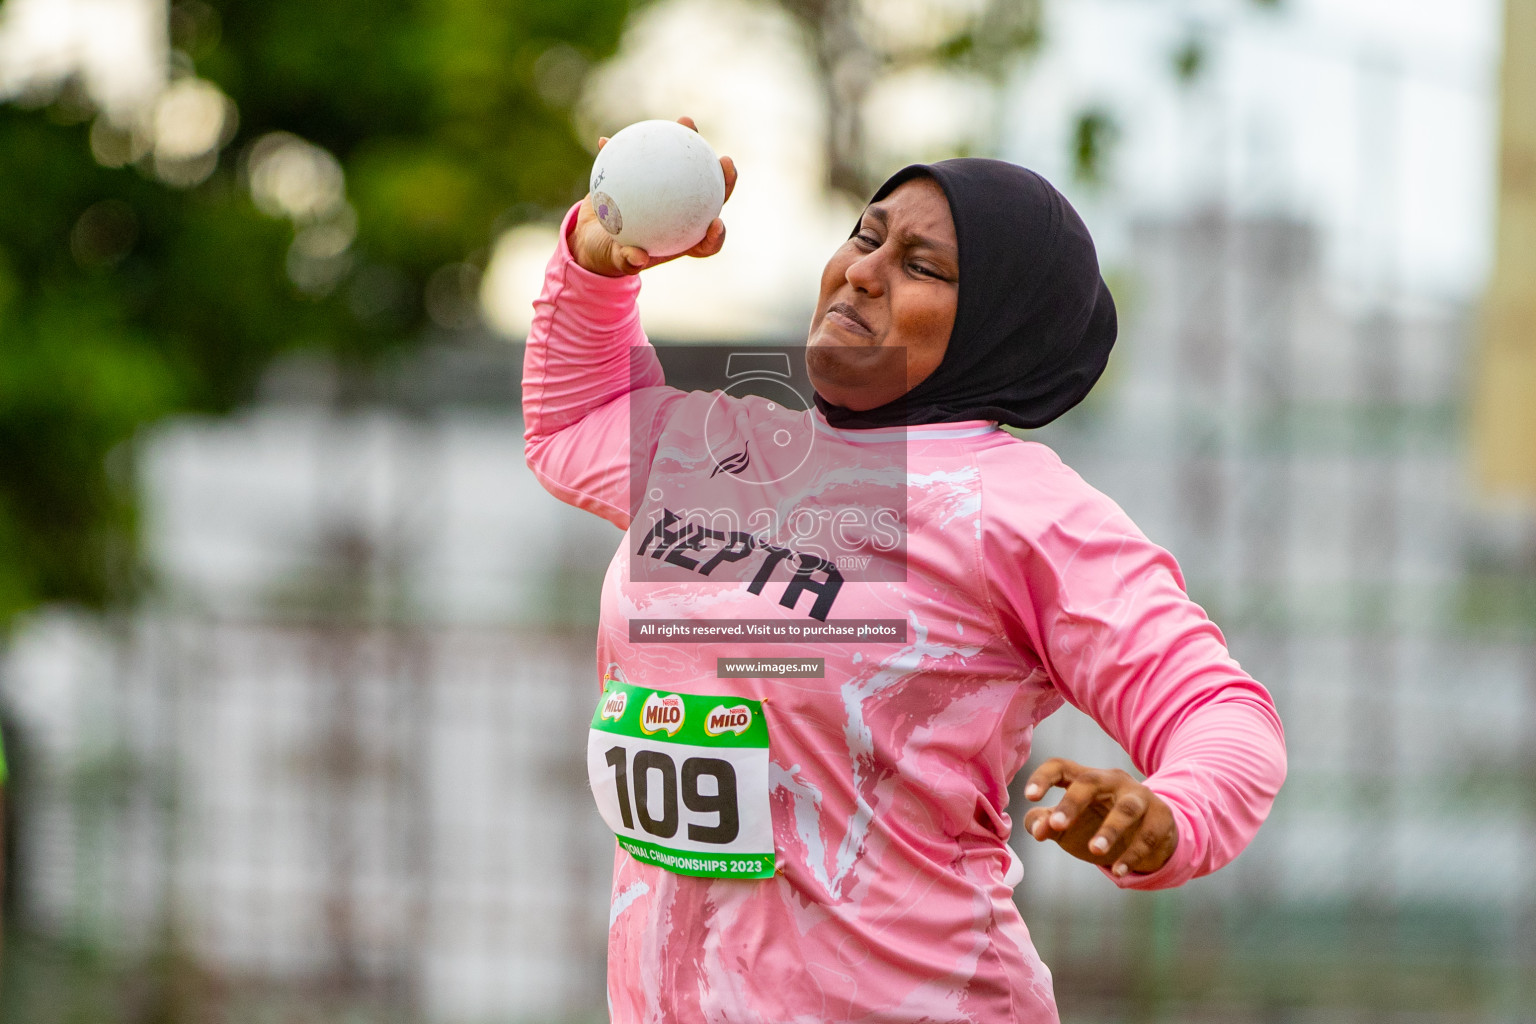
(1151, 844)
(1123, 820)
(1050, 773)
(1105, 817)
(1085, 791)
(1057, 771)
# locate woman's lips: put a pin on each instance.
(846, 317)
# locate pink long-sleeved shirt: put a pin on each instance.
(1023, 588)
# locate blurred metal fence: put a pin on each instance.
(331, 769)
(324, 820)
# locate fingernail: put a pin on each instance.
(1121, 870)
(1039, 830)
(1032, 792)
(1058, 820)
(1099, 844)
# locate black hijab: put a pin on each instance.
(1034, 322)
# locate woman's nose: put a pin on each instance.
(865, 275)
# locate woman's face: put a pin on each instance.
(888, 299)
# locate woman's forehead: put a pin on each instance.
(917, 208)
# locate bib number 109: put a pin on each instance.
(707, 785)
(682, 779)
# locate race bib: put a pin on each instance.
(682, 779)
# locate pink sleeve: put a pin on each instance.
(1105, 611)
(586, 360)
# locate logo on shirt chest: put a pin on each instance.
(734, 464)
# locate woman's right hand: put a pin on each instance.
(1105, 817)
(596, 250)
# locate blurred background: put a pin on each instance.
(296, 657)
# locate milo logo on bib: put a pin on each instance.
(682, 779)
(660, 713)
(723, 719)
(614, 705)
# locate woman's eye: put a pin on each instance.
(870, 240)
(918, 268)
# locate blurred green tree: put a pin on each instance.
(316, 176)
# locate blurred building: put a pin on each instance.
(336, 759)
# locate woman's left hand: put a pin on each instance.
(1106, 817)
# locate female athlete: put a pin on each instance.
(812, 820)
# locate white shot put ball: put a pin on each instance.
(657, 185)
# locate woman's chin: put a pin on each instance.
(856, 377)
(856, 384)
